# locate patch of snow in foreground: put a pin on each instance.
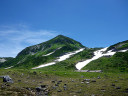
(98, 54)
(61, 58)
(8, 67)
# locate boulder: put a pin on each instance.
(7, 79)
(38, 89)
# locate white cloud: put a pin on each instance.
(15, 38)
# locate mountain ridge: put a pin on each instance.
(60, 40)
(49, 51)
(39, 54)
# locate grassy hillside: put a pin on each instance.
(116, 63)
(51, 45)
(69, 64)
(119, 46)
(34, 55)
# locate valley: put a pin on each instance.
(64, 67)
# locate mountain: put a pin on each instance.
(63, 53)
(49, 46)
(44, 52)
(119, 46)
(114, 59)
(3, 59)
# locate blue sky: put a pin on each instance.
(94, 23)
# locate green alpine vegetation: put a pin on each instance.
(49, 51)
(61, 79)
(116, 63)
(4, 59)
(35, 55)
(119, 46)
(69, 64)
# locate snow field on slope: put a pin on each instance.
(51, 52)
(61, 58)
(97, 54)
(8, 67)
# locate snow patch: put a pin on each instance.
(44, 65)
(64, 57)
(98, 54)
(61, 58)
(51, 52)
(2, 60)
(8, 67)
(123, 50)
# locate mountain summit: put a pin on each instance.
(44, 52)
(51, 45)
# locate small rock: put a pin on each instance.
(53, 81)
(87, 82)
(46, 93)
(60, 81)
(44, 89)
(113, 84)
(34, 73)
(126, 89)
(59, 90)
(19, 80)
(56, 85)
(7, 85)
(93, 80)
(102, 89)
(98, 77)
(28, 89)
(65, 84)
(7, 79)
(78, 92)
(38, 89)
(118, 87)
(43, 86)
(86, 79)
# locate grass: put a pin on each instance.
(24, 79)
(69, 64)
(116, 63)
(119, 46)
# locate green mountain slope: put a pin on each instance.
(119, 46)
(69, 64)
(35, 55)
(116, 63)
(3, 59)
(51, 45)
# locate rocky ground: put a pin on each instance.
(40, 83)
